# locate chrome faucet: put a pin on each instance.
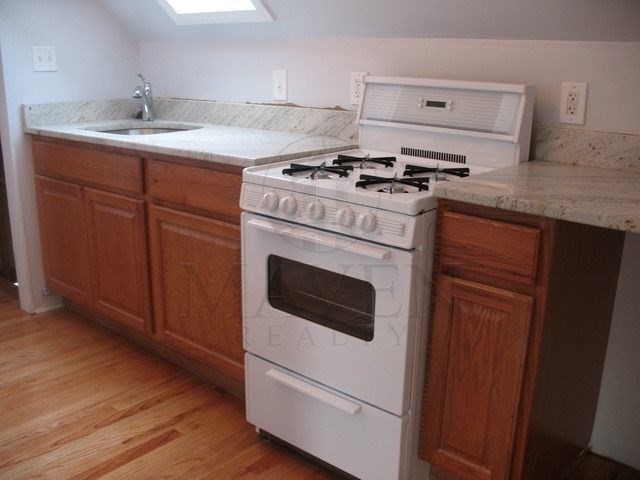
(144, 92)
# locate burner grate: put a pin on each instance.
(366, 161)
(318, 172)
(411, 170)
(393, 184)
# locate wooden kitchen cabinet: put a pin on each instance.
(479, 349)
(119, 260)
(197, 288)
(518, 334)
(149, 247)
(65, 246)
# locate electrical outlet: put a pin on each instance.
(357, 87)
(45, 59)
(573, 103)
(280, 85)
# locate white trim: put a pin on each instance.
(259, 15)
(16, 217)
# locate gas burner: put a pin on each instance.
(318, 172)
(366, 162)
(395, 184)
(440, 174)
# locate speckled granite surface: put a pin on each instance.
(587, 148)
(231, 133)
(593, 196)
(242, 147)
(307, 121)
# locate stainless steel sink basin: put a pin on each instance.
(145, 131)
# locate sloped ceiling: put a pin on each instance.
(496, 19)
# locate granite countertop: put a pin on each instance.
(594, 196)
(238, 146)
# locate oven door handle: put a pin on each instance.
(312, 391)
(320, 239)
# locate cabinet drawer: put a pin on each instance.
(87, 166)
(488, 248)
(199, 188)
(351, 435)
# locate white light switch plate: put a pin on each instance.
(45, 59)
(280, 85)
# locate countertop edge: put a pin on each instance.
(540, 205)
(205, 157)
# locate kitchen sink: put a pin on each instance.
(145, 131)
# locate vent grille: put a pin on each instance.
(433, 155)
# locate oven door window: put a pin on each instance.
(339, 302)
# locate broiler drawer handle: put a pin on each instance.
(312, 391)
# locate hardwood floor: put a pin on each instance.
(78, 402)
(595, 467)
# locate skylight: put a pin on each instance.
(196, 12)
(182, 7)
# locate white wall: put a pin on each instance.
(319, 76)
(319, 70)
(617, 429)
(96, 59)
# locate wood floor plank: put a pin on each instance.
(595, 467)
(261, 461)
(71, 458)
(79, 403)
(208, 441)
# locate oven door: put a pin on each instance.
(338, 310)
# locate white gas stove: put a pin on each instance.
(368, 194)
(337, 256)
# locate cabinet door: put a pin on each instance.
(119, 261)
(477, 358)
(197, 288)
(63, 230)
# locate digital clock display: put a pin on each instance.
(436, 104)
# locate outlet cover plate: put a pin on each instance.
(573, 103)
(357, 87)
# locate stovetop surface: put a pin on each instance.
(363, 182)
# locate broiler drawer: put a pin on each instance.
(480, 247)
(346, 433)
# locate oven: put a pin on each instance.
(341, 311)
(337, 253)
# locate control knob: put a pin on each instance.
(366, 222)
(345, 217)
(270, 201)
(288, 205)
(315, 210)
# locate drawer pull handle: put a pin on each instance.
(312, 391)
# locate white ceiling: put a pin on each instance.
(498, 19)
